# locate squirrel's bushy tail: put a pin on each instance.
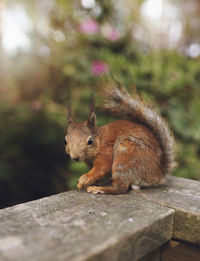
(120, 103)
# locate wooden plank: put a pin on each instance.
(78, 226)
(174, 251)
(183, 195)
(152, 256)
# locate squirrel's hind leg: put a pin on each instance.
(137, 162)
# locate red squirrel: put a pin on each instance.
(138, 150)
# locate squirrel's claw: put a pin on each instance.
(84, 181)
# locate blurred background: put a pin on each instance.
(48, 47)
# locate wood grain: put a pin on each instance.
(183, 195)
(78, 226)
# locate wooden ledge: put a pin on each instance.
(183, 195)
(78, 226)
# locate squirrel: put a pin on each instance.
(138, 150)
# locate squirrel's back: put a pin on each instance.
(136, 153)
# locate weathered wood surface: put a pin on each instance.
(174, 251)
(78, 226)
(152, 256)
(183, 195)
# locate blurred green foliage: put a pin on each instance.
(32, 163)
(35, 89)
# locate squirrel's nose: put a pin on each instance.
(76, 159)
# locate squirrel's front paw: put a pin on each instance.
(84, 181)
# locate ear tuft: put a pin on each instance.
(69, 114)
(91, 104)
(91, 122)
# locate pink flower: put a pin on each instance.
(36, 105)
(99, 67)
(89, 27)
(113, 35)
(110, 32)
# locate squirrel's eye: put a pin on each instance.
(90, 141)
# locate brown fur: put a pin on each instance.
(138, 151)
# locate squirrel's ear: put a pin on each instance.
(69, 114)
(91, 122)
